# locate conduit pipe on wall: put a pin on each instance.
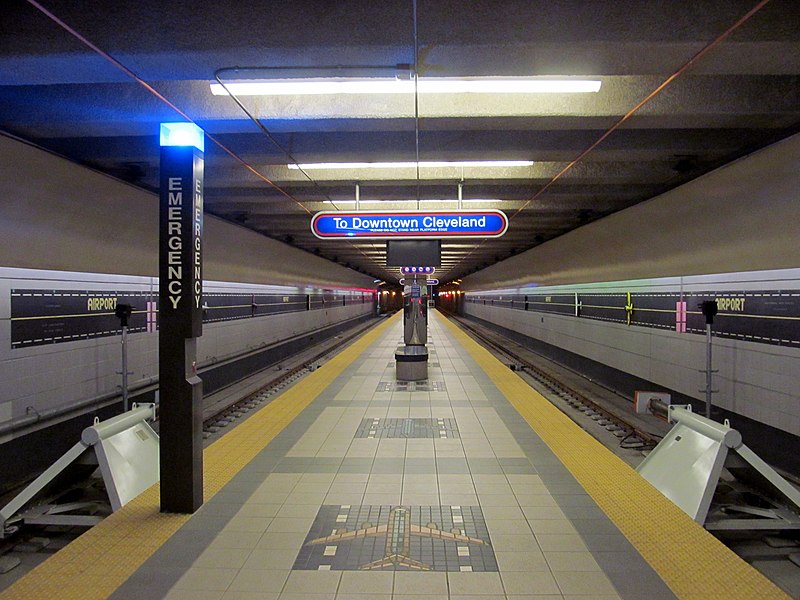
(75, 408)
(147, 385)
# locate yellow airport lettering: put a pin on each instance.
(95, 303)
(731, 304)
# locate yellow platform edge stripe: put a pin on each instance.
(95, 564)
(691, 561)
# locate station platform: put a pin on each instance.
(353, 485)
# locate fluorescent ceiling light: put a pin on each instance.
(465, 201)
(425, 85)
(507, 85)
(314, 87)
(411, 165)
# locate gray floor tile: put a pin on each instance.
(595, 526)
(232, 497)
(622, 562)
(452, 465)
(420, 468)
(514, 462)
(259, 580)
(582, 512)
(388, 465)
(584, 583)
(185, 539)
(533, 582)
(206, 523)
(519, 469)
(579, 499)
(555, 475)
(610, 543)
(151, 585)
(485, 468)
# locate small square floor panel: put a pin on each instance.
(397, 538)
(411, 386)
(408, 428)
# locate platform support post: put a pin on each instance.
(180, 317)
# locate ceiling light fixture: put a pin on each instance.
(507, 85)
(314, 87)
(411, 165)
(387, 85)
(393, 201)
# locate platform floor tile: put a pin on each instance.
(298, 506)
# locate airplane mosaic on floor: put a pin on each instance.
(397, 530)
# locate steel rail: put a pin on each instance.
(632, 436)
(239, 407)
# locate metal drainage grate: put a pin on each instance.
(408, 428)
(411, 386)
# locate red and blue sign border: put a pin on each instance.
(327, 233)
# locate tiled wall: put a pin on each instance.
(756, 380)
(40, 378)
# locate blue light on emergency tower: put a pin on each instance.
(182, 134)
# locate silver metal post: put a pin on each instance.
(125, 368)
(460, 194)
(708, 370)
(358, 197)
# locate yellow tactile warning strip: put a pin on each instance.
(100, 560)
(692, 562)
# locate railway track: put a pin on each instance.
(621, 423)
(221, 415)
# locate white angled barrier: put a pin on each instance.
(687, 464)
(125, 448)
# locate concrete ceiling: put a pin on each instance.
(744, 93)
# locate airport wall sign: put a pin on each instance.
(409, 224)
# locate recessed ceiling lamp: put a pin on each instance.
(424, 85)
(411, 165)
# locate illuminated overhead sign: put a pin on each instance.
(427, 282)
(409, 224)
(417, 270)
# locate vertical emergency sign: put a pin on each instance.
(180, 275)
